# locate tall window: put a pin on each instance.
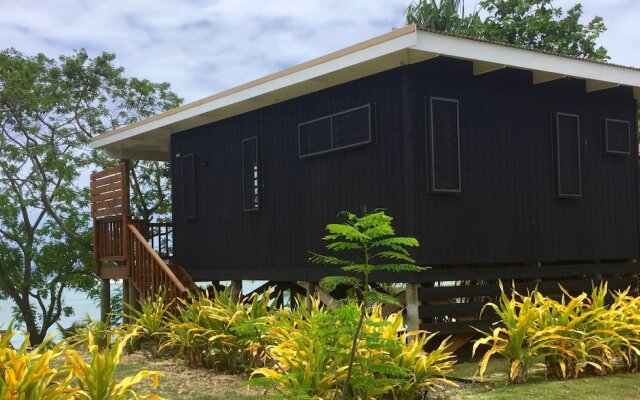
(567, 155)
(444, 145)
(251, 174)
(346, 129)
(617, 136)
(189, 186)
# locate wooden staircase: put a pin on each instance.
(124, 248)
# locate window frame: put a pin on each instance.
(194, 193)
(259, 165)
(430, 134)
(606, 136)
(370, 139)
(556, 130)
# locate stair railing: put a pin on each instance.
(149, 272)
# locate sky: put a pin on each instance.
(203, 47)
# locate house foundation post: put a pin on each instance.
(134, 302)
(105, 300)
(311, 291)
(236, 290)
(125, 300)
(413, 305)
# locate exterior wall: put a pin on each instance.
(507, 211)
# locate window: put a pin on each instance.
(567, 155)
(251, 174)
(617, 136)
(444, 144)
(189, 186)
(346, 129)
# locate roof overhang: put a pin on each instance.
(149, 139)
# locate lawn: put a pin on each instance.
(180, 382)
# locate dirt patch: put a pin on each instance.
(181, 382)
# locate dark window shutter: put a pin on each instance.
(315, 136)
(567, 151)
(445, 146)
(251, 174)
(617, 136)
(351, 128)
(346, 129)
(189, 186)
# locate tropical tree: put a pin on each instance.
(531, 23)
(50, 109)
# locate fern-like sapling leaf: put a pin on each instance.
(372, 297)
(330, 283)
(394, 255)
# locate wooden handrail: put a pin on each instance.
(149, 272)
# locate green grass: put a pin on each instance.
(180, 382)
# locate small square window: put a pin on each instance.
(617, 136)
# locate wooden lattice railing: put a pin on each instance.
(149, 272)
(130, 249)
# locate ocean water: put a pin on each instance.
(84, 306)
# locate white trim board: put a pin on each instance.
(403, 46)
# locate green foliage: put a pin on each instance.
(536, 24)
(371, 242)
(585, 334)
(150, 320)
(441, 15)
(50, 109)
(311, 351)
(218, 332)
(541, 25)
(59, 372)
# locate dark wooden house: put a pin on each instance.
(506, 163)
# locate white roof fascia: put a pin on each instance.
(314, 71)
(476, 50)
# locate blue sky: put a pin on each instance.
(203, 47)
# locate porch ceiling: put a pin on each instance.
(149, 139)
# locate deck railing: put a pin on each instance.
(160, 236)
(149, 272)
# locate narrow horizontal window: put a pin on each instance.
(189, 186)
(342, 130)
(567, 155)
(444, 144)
(617, 136)
(251, 174)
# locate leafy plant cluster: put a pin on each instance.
(572, 337)
(538, 24)
(296, 352)
(61, 372)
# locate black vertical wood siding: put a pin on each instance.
(506, 212)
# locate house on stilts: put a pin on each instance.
(506, 163)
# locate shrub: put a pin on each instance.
(59, 372)
(310, 355)
(575, 336)
(150, 320)
(212, 332)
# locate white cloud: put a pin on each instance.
(202, 47)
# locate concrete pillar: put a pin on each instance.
(236, 290)
(105, 300)
(413, 305)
